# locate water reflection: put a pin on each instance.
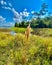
(12, 33)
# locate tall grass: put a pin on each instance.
(16, 50)
(46, 32)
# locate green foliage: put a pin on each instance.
(22, 24)
(18, 30)
(41, 20)
(16, 24)
(38, 23)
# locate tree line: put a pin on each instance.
(40, 19)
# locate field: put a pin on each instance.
(17, 50)
(17, 30)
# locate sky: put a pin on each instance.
(12, 11)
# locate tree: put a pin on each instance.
(41, 24)
(16, 24)
(42, 11)
(33, 23)
(39, 21)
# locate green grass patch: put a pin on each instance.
(18, 30)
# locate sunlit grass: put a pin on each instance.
(18, 30)
(17, 50)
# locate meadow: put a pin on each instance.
(17, 50)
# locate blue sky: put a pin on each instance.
(14, 10)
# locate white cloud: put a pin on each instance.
(2, 19)
(11, 24)
(18, 19)
(19, 16)
(25, 13)
(10, 4)
(32, 12)
(3, 2)
(25, 9)
(15, 12)
(7, 5)
(7, 8)
(21, 13)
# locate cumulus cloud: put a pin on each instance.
(15, 12)
(25, 13)
(3, 2)
(2, 19)
(6, 5)
(32, 12)
(17, 16)
(7, 8)
(25, 9)
(17, 19)
(10, 4)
